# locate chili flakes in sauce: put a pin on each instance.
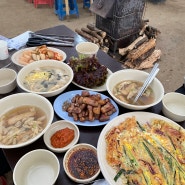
(83, 163)
(62, 138)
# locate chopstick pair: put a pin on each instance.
(38, 39)
(63, 37)
(147, 82)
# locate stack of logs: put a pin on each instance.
(142, 53)
(95, 35)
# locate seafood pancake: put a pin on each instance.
(151, 153)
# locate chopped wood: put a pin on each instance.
(148, 62)
(143, 48)
(134, 44)
(105, 49)
(94, 34)
(142, 31)
(87, 36)
(139, 60)
(98, 31)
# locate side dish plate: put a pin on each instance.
(142, 117)
(16, 55)
(59, 101)
(99, 88)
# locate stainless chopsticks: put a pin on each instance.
(147, 82)
(65, 41)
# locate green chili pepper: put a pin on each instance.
(122, 171)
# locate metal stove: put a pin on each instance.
(120, 19)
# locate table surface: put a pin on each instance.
(87, 134)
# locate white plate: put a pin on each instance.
(99, 88)
(143, 117)
(16, 55)
(58, 103)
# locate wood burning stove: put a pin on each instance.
(120, 19)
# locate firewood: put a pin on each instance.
(94, 34)
(136, 63)
(151, 32)
(143, 48)
(148, 62)
(134, 44)
(142, 31)
(87, 36)
(105, 49)
(98, 31)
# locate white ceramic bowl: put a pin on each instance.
(36, 167)
(44, 63)
(174, 106)
(75, 150)
(58, 125)
(16, 56)
(7, 80)
(87, 49)
(22, 99)
(136, 75)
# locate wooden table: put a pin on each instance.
(87, 134)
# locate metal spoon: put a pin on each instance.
(147, 82)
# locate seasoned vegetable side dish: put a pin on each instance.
(127, 90)
(45, 79)
(21, 124)
(150, 153)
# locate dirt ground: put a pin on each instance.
(19, 16)
(168, 17)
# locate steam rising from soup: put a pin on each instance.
(127, 90)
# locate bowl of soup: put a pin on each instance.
(45, 77)
(124, 85)
(24, 118)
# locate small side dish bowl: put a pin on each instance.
(87, 49)
(174, 106)
(26, 56)
(134, 75)
(64, 140)
(45, 77)
(84, 157)
(25, 117)
(7, 80)
(37, 167)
